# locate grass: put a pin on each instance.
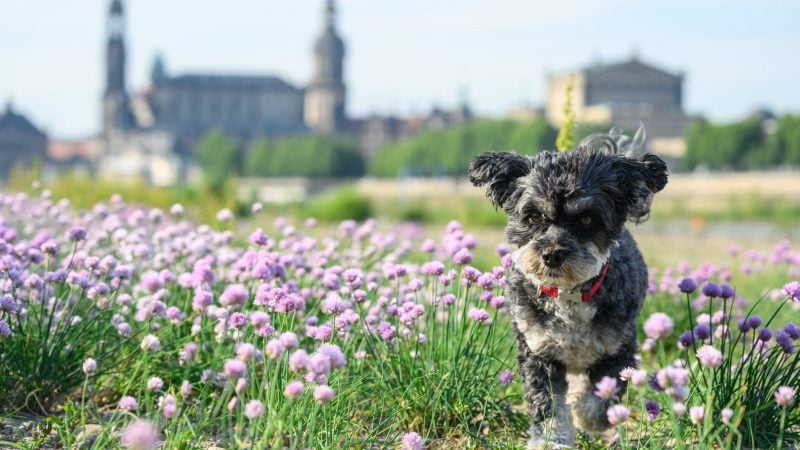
(443, 387)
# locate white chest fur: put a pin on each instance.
(572, 339)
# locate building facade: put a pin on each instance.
(21, 142)
(623, 94)
(152, 134)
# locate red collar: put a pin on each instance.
(553, 291)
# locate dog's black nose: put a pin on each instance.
(553, 258)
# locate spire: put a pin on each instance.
(325, 95)
(116, 108)
(116, 20)
(330, 14)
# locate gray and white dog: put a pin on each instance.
(577, 281)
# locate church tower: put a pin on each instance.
(116, 106)
(324, 108)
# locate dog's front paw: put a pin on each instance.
(589, 413)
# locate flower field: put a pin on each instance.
(130, 327)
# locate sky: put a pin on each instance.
(405, 56)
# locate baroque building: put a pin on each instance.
(623, 94)
(153, 133)
(21, 142)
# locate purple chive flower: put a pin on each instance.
(169, 406)
(76, 234)
(711, 290)
(428, 246)
(5, 330)
(323, 394)
(241, 385)
(462, 257)
(155, 384)
(726, 291)
(293, 390)
(792, 330)
(246, 351)
(275, 348)
(697, 414)
(140, 435)
(254, 409)
(617, 415)
(606, 388)
(412, 441)
(478, 315)
(658, 325)
(128, 403)
(432, 268)
(702, 331)
(233, 368)
(765, 334)
(686, 339)
(387, 331)
(150, 343)
(744, 327)
(298, 360)
(258, 237)
(152, 282)
(784, 396)
(237, 320)
(687, 285)
(754, 322)
(785, 341)
(8, 304)
(506, 377)
(653, 409)
(234, 295)
(709, 356)
(792, 290)
(89, 366)
(626, 373)
(186, 388)
(725, 415)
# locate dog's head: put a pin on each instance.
(566, 210)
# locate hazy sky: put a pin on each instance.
(405, 56)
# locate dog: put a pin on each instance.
(577, 279)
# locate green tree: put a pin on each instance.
(304, 156)
(726, 146)
(220, 159)
(448, 152)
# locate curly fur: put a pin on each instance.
(566, 346)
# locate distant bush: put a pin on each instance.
(747, 144)
(339, 205)
(306, 156)
(448, 152)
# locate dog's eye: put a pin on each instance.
(585, 221)
(534, 219)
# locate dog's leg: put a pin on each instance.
(545, 386)
(589, 410)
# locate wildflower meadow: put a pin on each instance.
(123, 326)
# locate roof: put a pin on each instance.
(633, 64)
(229, 82)
(10, 120)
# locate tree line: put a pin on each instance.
(752, 143)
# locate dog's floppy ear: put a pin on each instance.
(647, 175)
(499, 171)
